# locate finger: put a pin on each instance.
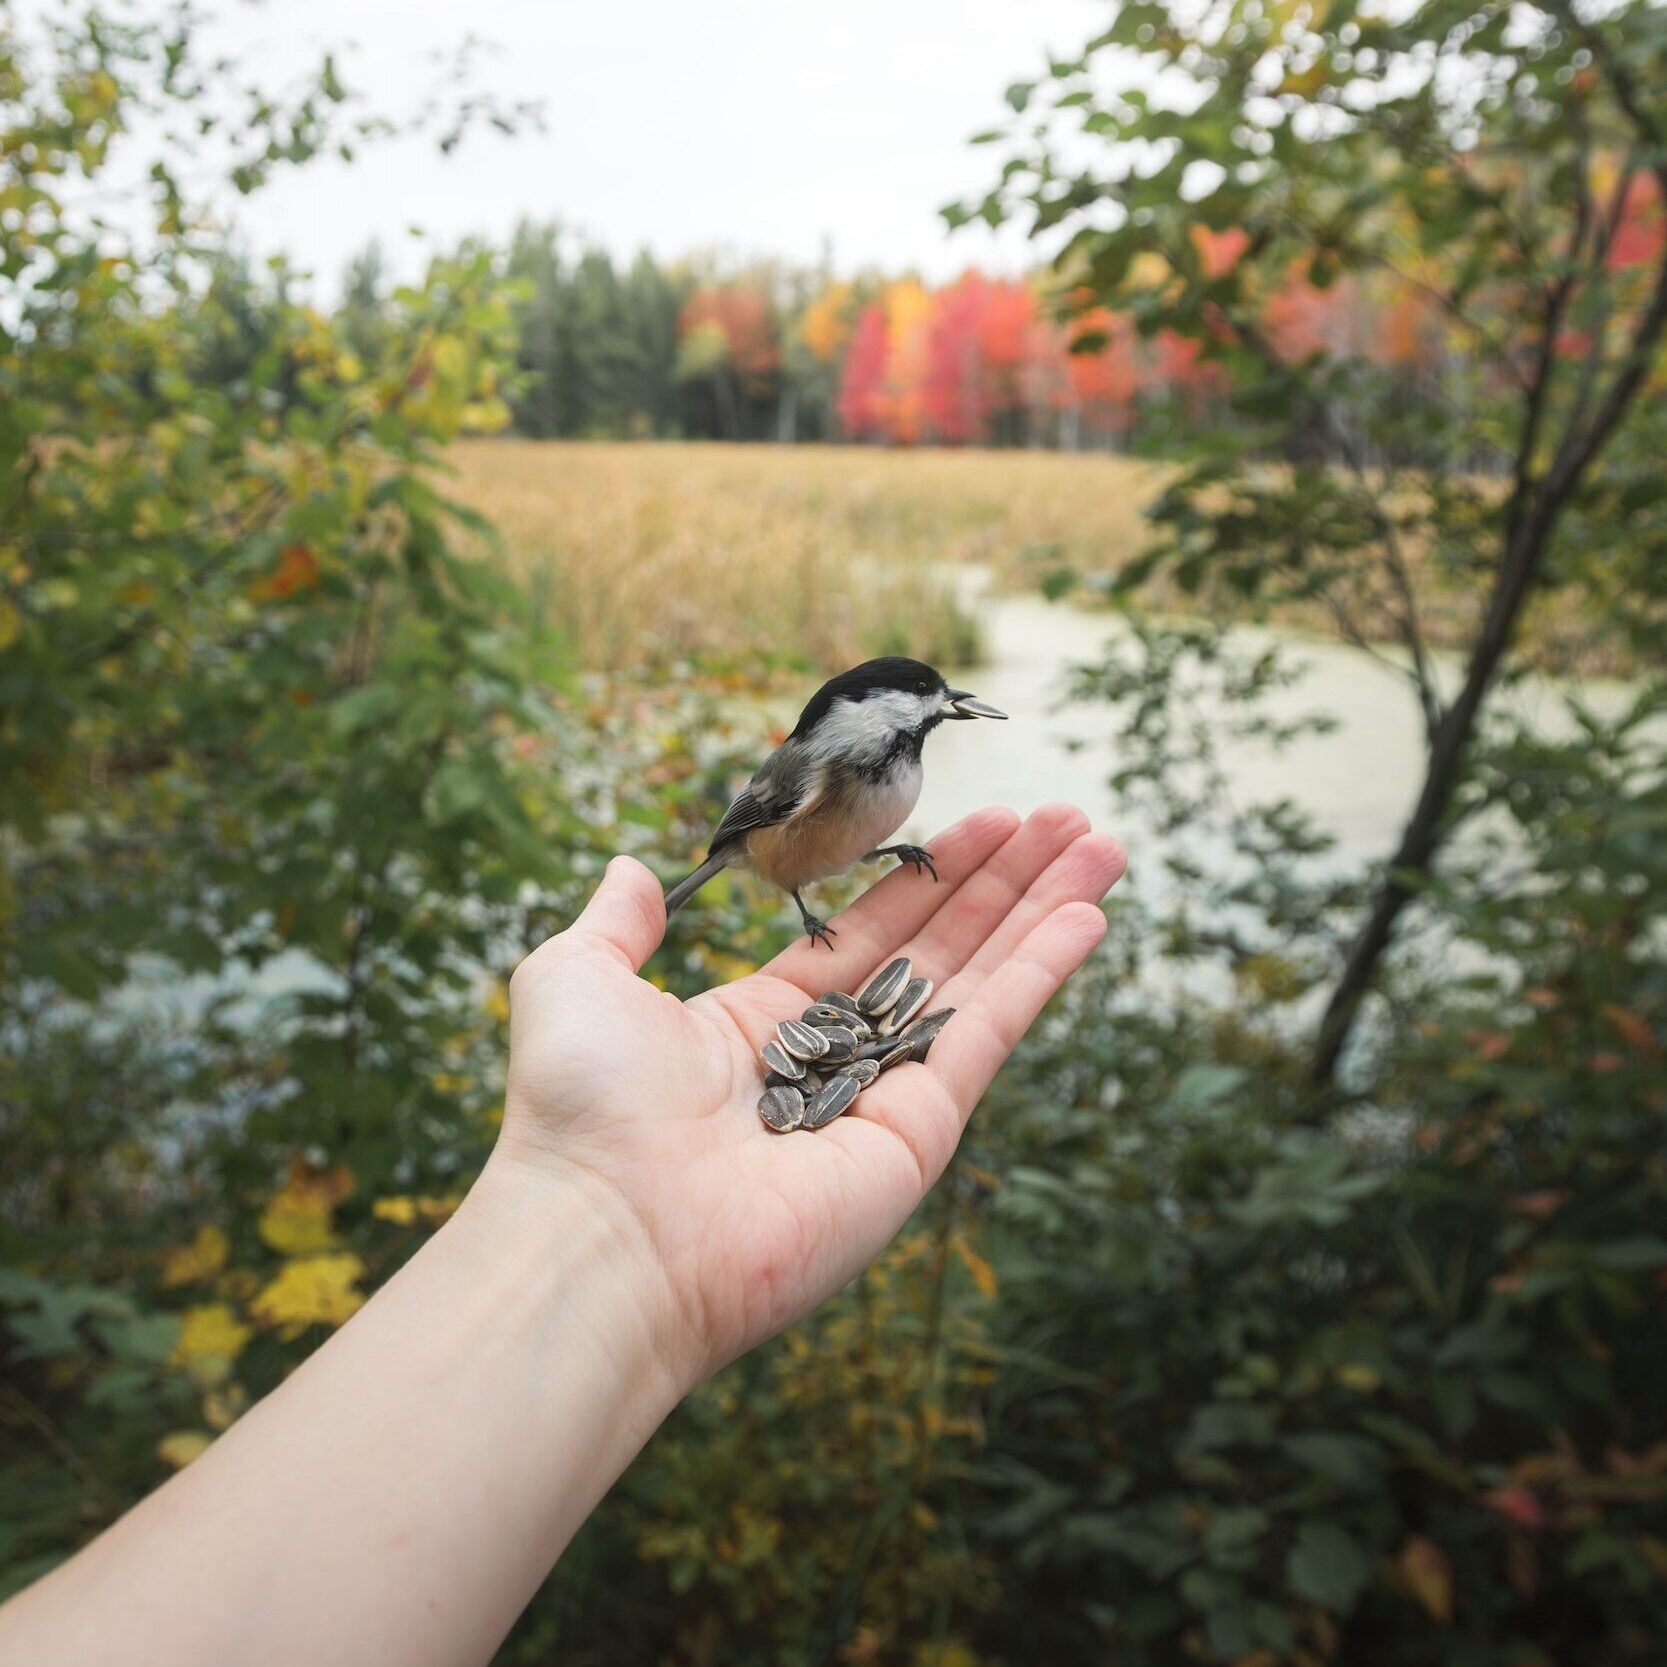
(978, 908)
(927, 1106)
(1083, 873)
(889, 911)
(626, 915)
(991, 1024)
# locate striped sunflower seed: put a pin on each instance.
(880, 993)
(916, 993)
(836, 1097)
(861, 1071)
(842, 1044)
(782, 1062)
(801, 1040)
(824, 1013)
(839, 999)
(924, 1032)
(782, 1108)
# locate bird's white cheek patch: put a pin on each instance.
(860, 732)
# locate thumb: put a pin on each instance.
(626, 914)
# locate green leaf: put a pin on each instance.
(1348, 1460)
(1635, 1255)
(1328, 1566)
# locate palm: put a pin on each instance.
(657, 1098)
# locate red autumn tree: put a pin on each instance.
(862, 383)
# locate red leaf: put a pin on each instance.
(1518, 1504)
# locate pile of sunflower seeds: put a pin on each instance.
(821, 1061)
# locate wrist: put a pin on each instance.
(586, 1269)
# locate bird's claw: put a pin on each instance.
(919, 856)
(820, 931)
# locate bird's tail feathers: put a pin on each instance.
(679, 894)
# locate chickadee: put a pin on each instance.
(845, 779)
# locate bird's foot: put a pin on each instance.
(918, 855)
(820, 931)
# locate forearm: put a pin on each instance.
(402, 1495)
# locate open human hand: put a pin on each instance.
(646, 1104)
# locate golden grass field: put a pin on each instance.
(807, 552)
(781, 556)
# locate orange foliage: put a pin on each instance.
(1219, 252)
(826, 325)
(742, 318)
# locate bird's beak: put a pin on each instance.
(957, 703)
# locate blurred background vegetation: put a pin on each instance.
(1299, 1293)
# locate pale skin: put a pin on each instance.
(400, 1498)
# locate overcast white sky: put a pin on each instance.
(758, 127)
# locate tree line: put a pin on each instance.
(686, 349)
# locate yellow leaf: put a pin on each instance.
(297, 1221)
(180, 1448)
(313, 1290)
(208, 1371)
(197, 1262)
(296, 1226)
(983, 1275)
(1307, 82)
(222, 1408)
(451, 361)
(214, 1330)
(1429, 1575)
(950, 1653)
(401, 1211)
(497, 1003)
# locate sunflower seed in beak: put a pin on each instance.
(801, 1040)
(880, 994)
(781, 1061)
(838, 1096)
(782, 1108)
(915, 995)
(959, 704)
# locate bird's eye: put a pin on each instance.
(922, 687)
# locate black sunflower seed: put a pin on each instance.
(861, 1071)
(822, 1013)
(839, 999)
(924, 1032)
(782, 1108)
(781, 1061)
(837, 1096)
(801, 1040)
(842, 1044)
(916, 993)
(881, 991)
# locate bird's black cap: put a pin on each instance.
(892, 672)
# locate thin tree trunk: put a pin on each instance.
(1533, 515)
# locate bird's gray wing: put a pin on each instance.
(787, 781)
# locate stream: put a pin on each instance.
(1358, 783)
